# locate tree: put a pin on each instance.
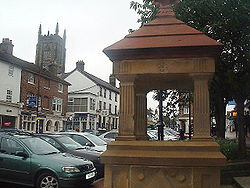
(226, 21)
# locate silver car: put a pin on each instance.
(87, 140)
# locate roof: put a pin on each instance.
(30, 67)
(96, 80)
(167, 33)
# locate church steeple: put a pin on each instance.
(57, 28)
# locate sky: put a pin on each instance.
(91, 26)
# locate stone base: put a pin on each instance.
(147, 164)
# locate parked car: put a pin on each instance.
(94, 132)
(28, 160)
(89, 141)
(153, 134)
(13, 130)
(66, 144)
(109, 136)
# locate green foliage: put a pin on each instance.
(229, 148)
(226, 21)
(173, 98)
(146, 10)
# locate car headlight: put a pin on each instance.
(70, 169)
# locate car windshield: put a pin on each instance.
(39, 146)
(69, 143)
(96, 140)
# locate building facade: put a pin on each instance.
(48, 113)
(92, 102)
(51, 48)
(37, 98)
(184, 110)
(10, 106)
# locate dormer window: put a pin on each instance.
(110, 95)
(105, 91)
(11, 70)
(100, 91)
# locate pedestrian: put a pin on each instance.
(182, 134)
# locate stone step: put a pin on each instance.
(242, 182)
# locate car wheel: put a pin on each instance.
(47, 180)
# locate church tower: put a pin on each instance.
(50, 48)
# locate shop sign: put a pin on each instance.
(32, 101)
(7, 123)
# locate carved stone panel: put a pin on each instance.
(158, 177)
(182, 65)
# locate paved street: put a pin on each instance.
(97, 184)
(232, 136)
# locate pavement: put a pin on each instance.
(232, 136)
(229, 135)
(98, 184)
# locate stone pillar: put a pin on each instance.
(127, 110)
(201, 106)
(141, 117)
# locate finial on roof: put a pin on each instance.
(64, 35)
(165, 7)
(57, 28)
(40, 30)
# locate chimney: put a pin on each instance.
(112, 80)
(6, 46)
(53, 68)
(80, 65)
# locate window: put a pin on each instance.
(60, 87)
(100, 105)
(111, 135)
(11, 70)
(9, 95)
(100, 91)
(46, 102)
(48, 125)
(81, 140)
(78, 105)
(31, 78)
(57, 104)
(10, 147)
(104, 105)
(92, 104)
(46, 84)
(110, 95)
(29, 123)
(56, 128)
(105, 91)
(70, 104)
(115, 109)
(110, 108)
(115, 97)
(186, 110)
(53, 143)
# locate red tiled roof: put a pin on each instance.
(165, 32)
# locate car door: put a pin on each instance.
(13, 167)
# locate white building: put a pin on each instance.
(10, 80)
(92, 102)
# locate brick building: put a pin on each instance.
(183, 116)
(50, 108)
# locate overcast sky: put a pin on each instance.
(91, 25)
